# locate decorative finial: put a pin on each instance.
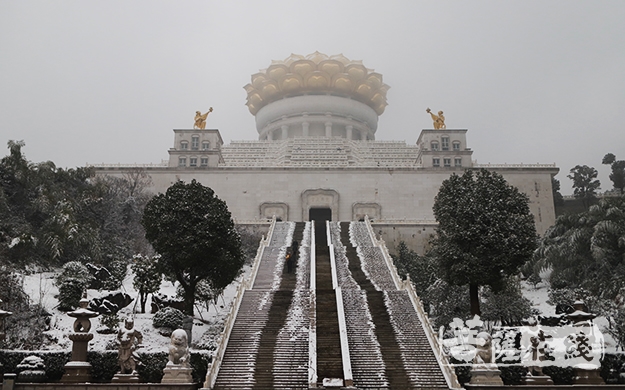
(200, 119)
(439, 120)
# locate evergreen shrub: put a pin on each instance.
(104, 364)
(168, 318)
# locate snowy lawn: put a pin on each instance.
(207, 325)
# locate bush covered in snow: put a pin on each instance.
(168, 318)
(72, 281)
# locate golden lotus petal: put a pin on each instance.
(356, 71)
(258, 79)
(364, 89)
(375, 80)
(303, 67)
(277, 72)
(343, 83)
(331, 67)
(291, 83)
(269, 89)
(317, 80)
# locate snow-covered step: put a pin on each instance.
(268, 345)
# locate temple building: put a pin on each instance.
(316, 156)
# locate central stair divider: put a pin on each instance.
(329, 354)
(347, 365)
(312, 335)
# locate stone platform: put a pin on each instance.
(545, 387)
(102, 386)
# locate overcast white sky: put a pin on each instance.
(107, 81)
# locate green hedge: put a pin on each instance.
(611, 366)
(104, 364)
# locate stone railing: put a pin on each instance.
(506, 165)
(246, 284)
(264, 221)
(404, 222)
(446, 368)
(163, 163)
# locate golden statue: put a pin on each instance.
(439, 120)
(200, 120)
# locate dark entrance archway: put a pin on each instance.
(320, 215)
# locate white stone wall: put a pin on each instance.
(403, 194)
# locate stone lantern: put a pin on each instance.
(78, 370)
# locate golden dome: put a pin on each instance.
(316, 73)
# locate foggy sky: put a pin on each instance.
(107, 81)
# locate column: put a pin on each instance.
(305, 127)
(348, 130)
(328, 129)
(285, 131)
(269, 135)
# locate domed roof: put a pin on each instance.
(316, 73)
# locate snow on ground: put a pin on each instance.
(539, 296)
(207, 324)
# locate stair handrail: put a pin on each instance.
(224, 337)
(446, 368)
(335, 283)
(340, 313)
(264, 243)
(312, 329)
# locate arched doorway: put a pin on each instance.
(320, 199)
(320, 215)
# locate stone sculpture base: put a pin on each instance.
(537, 380)
(77, 372)
(125, 378)
(588, 376)
(480, 376)
(177, 374)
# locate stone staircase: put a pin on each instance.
(264, 350)
(269, 345)
(329, 359)
(394, 374)
(407, 353)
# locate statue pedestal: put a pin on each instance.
(177, 374)
(482, 375)
(77, 372)
(539, 380)
(125, 378)
(587, 374)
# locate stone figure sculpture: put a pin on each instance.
(200, 119)
(439, 120)
(178, 349)
(128, 339)
(178, 368)
(484, 371)
(484, 349)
